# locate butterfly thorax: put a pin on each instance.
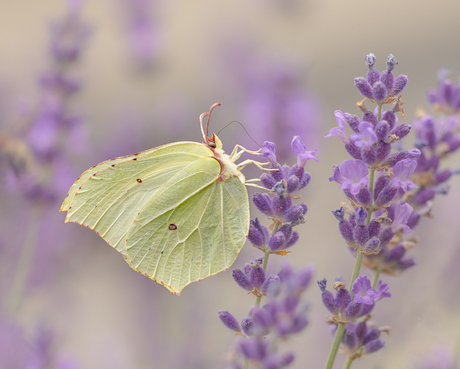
(228, 167)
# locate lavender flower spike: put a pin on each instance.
(367, 137)
(402, 214)
(363, 291)
(339, 131)
(402, 171)
(355, 174)
(268, 152)
(302, 154)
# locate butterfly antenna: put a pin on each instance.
(209, 115)
(201, 125)
(241, 124)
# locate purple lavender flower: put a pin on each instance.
(302, 154)
(339, 131)
(366, 138)
(363, 291)
(402, 212)
(447, 95)
(354, 173)
(358, 336)
(402, 171)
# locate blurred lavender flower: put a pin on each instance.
(446, 97)
(359, 340)
(276, 104)
(141, 30)
(440, 358)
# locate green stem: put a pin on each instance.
(23, 267)
(335, 346)
(348, 363)
(375, 277)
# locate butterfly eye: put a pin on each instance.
(172, 227)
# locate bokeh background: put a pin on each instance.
(145, 70)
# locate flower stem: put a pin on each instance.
(23, 267)
(375, 277)
(348, 363)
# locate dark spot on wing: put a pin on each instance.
(135, 159)
(161, 252)
(139, 180)
(172, 227)
(113, 165)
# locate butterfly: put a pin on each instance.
(177, 213)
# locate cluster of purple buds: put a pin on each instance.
(283, 315)
(445, 98)
(371, 238)
(344, 307)
(358, 339)
(392, 258)
(435, 138)
(282, 182)
(392, 180)
(381, 87)
(373, 135)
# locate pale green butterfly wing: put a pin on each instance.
(108, 197)
(192, 227)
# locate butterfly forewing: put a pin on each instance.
(110, 195)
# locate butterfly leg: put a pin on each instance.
(256, 163)
(235, 155)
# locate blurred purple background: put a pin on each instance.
(84, 82)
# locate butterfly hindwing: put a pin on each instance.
(194, 226)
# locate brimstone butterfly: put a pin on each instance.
(178, 213)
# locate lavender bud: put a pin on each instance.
(297, 171)
(292, 184)
(443, 176)
(406, 264)
(372, 246)
(364, 196)
(258, 234)
(402, 130)
(413, 219)
(262, 322)
(304, 181)
(423, 196)
(303, 277)
(399, 84)
(393, 159)
(361, 216)
(373, 334)
(385, 236)
(381, 182)
(350, 339)
(353, 121)
(361, 234)
(379, 91)
(353, 309)
(364, 87)
(295, 214)
(253, 348)
(382, 129)
(385, 196)
(247, 268)
(263, 202)
(374, 228)
(382, 150)
(267, 181)
(257, 276)
(346, 230)
(329, 301)
(366, 309)
(373, 76)
(292, 240)
(285, 272)
(353, 150)
(395, 254)
(339, 214)
(342, 299)
(270, 284)
(370, 117)
(390, 118)
(369, 156)
(286, 359)
(374, 346)
(229, 320)
(246, 325)
(361, 330)
(370, 61)
(241, 280)
(387, 79)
